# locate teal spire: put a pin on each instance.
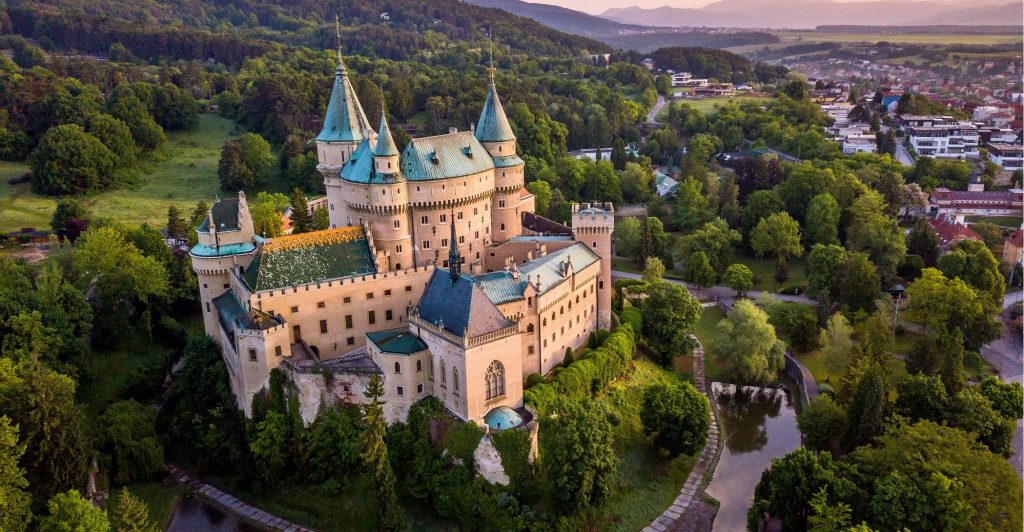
(345, 120)
(454, 258)
(493, 125)
(386, 146)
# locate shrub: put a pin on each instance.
(631, 316)
(462, 439)
(676, 417)
(567, 360)
(534, 379)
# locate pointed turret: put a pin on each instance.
(386, 146)
(345, 120)
(454, 258)
(493, 125)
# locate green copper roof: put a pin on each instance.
(500, 287)
(503, 418)
(202, 250)
(507, 161)
(345, 120)
(385, 142)
(309, 258)
(493, 125)
(397, 341)
(445, 156)
(359, 168)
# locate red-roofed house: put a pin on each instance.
(951, 231)
(977, 203)
(1013, 248)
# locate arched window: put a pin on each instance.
(545, 322)
(495, 380)
(529, 328)
(455, 379)
(444, 374)
(398, 367)
(419, 366)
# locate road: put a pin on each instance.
(657, 108)
(902, 155)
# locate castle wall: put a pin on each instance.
(315, 391)
(406, 380)
(566, 316)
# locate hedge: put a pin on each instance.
(590, 374)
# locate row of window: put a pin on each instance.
(345, 300)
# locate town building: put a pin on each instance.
(603, 154)
(1013, 248)
(951, 230)
(941, 137)
(977, 203)
(435, 274)
(838, 111)
(859, 144)
(665, 185)
(1009, 157)
(685, 79)
(715, 90)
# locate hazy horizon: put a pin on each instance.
(596, 7)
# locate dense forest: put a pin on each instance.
(720, 65)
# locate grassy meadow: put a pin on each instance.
(182, 173)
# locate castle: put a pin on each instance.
(435, 273)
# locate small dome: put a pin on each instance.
(503, 418)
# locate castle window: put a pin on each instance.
(424, 220)
(455, 379)
(419, 366)
(226, 286)
(501, 204)
(594, 244)
(369, 295)
(419, 388)
(444, 242)
(398, 367)
(502, 228)
(444, 374)
(252, 355)
(346, 299)
(398, 249)
(561, 310)
(401, 391)
(444, 264)
(398, 223)
(495, 380)
(530, 350)
(529, 328)
(545, 322)
(320, 304)
(323, 326)
(476, 234)
(444, 218)
(207, 308)
(408, 288)
(294, 309)
(462, 239)
(372, 317)
(277, 350)
(204, 285)
(351, 340)
(459, 215)
(387, 292)
(388, 315)
(600, 284)
(545, 342)
(529, 301)
(297, 333)
(426, 244)
(474, 211)
(348, 321)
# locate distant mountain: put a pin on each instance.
(811, 13)
(623, 35)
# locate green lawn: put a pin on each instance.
(647, 482)
(109, 371)
(704, 331)
(184, 172)
(764, 273)
(707, 105)
(1012, 222)
(794, 37)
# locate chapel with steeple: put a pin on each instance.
(435, 273)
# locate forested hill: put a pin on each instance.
(709, 63)
(228, 32)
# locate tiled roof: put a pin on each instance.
(397, 341)
(225, 216)
(541, 225)
(385, 142)
(462, 305)
(950, 232)
(501, 287)
(444, 156)
(548, 269)
(310, 257)
(493, 125)
(506, 161)
(345, 120)
(1016, 238)
(229, 311)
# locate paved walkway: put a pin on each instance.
(717, 292)
(702, 471)
(654, 111)
(228, 503)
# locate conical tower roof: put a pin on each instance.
(345, 120)
(386, 146)
(493, 125)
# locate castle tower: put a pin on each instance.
(389, 214)
(225, 247)
(593, 225)
(345, 127)
(495, 133)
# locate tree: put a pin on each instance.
(824, 265)
(70, 512)
(760, 204)
(15, 501)
(746, 342)
(990, 234)
(619, 154)
(821, 424)
(787, 487)
(677, 418)
(868, 408)
(822, 223)
(115, 135)
(699, 271)
(330, 446)
(302, 220)
(176, 227)
(858, 283)
(270, 445)
(245, 162)
(68, 160)
(876, 234)
(266, 212)
(963, 484)
(568, 358)
(321, 219)
(627, 238)
(921, 396)
(654, 270)
(970, 411)
(541, 191)
(973, 262)
(579, 453)
(715, 239)
(42, 404)
(1007, 397)
(637, 183)
(836, 344)
(301, 172)
(779, 235)
(923, 241)
(129, 438)
(690, 209)
(67, 209)
(826, 517)
(669, 314)
(944, 304)
(375, 455)
(125, 106)
(653, 240)
(130, 514)
(739, 278)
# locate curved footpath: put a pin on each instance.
(703, 470)
(231, 505)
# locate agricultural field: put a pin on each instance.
(184, 172)
(789, 38)
(706, 105)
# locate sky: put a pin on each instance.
(599, 6)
